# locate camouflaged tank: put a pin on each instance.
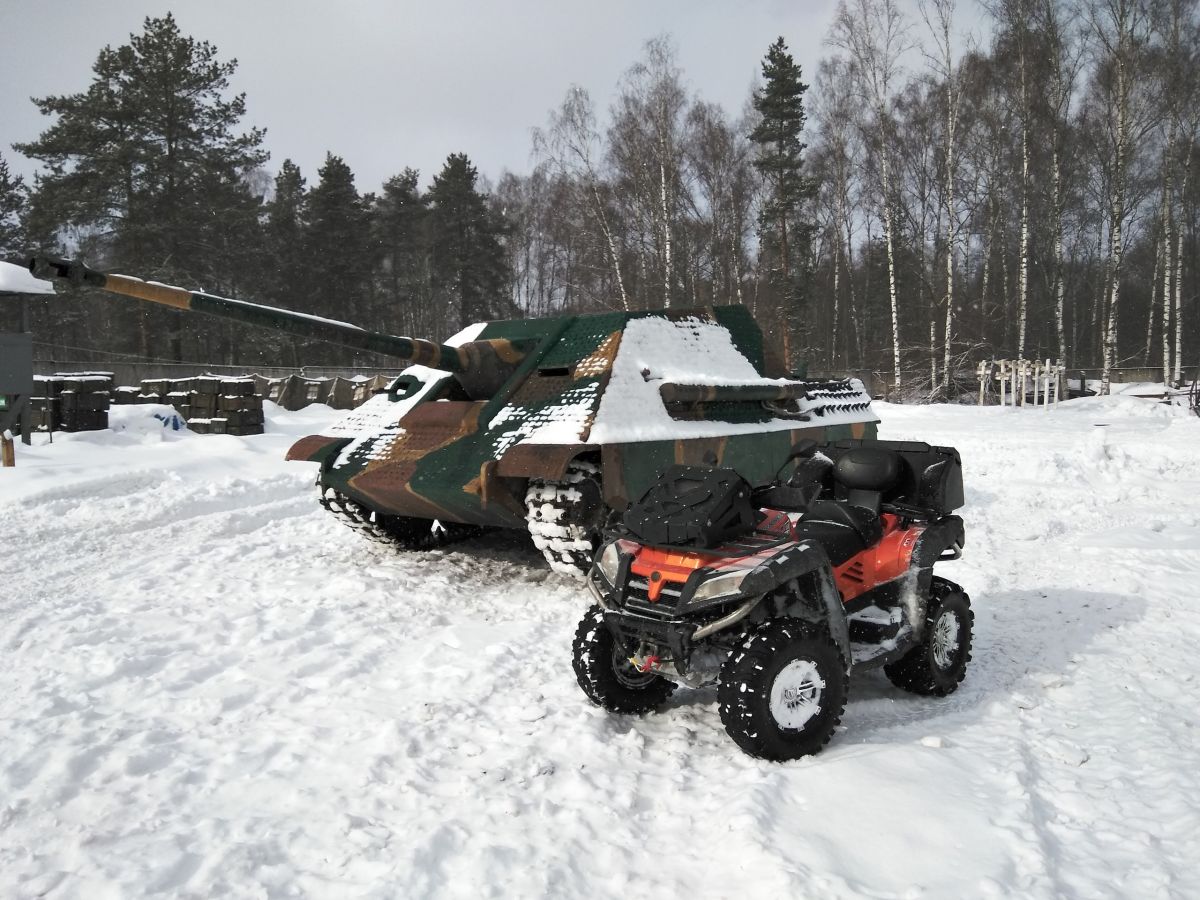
(544, 424)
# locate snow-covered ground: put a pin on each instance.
(208, 686)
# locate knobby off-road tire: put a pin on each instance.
(566, 517)
(936, 666)
(607, 676)
(782, 692)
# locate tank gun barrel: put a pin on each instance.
(470, 360)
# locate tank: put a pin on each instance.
(551, 425)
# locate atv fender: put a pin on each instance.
(945, 536)
(810, 594)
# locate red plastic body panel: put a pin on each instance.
(885, 561)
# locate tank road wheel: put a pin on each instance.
(936, 666)
(783, 691)
(607, 676)
(566, 517)
(403, 532)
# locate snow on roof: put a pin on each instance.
(17, 280)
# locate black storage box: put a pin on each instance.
(692, 507)
(930, 477)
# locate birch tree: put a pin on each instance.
(570, 146)
(1118, 27)
(646, 150)
(939, 19)
(874, 35)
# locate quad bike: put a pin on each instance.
(778, 593)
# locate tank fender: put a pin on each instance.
(808, 590)
(546, 461)
(946, 535)
(317, 448)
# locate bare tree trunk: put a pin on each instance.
(1102, 285)
(1063, 67)
(1163, 258)
(612, 247)
(850, 279)
(891, 255)
(1166, 311)
(987, 271)
(940, 25)
(933, 379)
(950, 240)
(1158, 255)
(783, 301)
(1177, 372)
(737, 274)
(1006, 293)
(837, 273)
(874, 33)
(666, 228)
(1059, 279)
(1023, 286)
(1117, 252)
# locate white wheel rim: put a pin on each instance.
(945, 639)
(796, 694)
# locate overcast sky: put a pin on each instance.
(392, 84)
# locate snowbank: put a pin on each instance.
(212, 687)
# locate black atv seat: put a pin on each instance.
(841, 528)
(864, 474)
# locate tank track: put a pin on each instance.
(566, 517)
(401, 532)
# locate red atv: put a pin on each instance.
(779, 592)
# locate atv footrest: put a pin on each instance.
(874, 625)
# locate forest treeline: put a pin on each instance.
(915, 201)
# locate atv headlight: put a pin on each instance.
(609, 562)
(720, 586)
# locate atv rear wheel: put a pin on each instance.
(783, 691)
(607, 676)
(566, 517)
(937, 665)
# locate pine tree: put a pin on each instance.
(283, 240)
(284, 231)
(402, 241)
(784, 237)
(147, 163)
(337, 246)
(12, 238)
(469, 267)
(12, 205)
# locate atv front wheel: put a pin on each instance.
(937, 665)
(606, 674)
(783, 691)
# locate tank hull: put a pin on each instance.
(590, 389)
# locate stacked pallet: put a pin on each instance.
(155, 390)
(74, 402)
(225, 406)
(127, 396)
(212, 405)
